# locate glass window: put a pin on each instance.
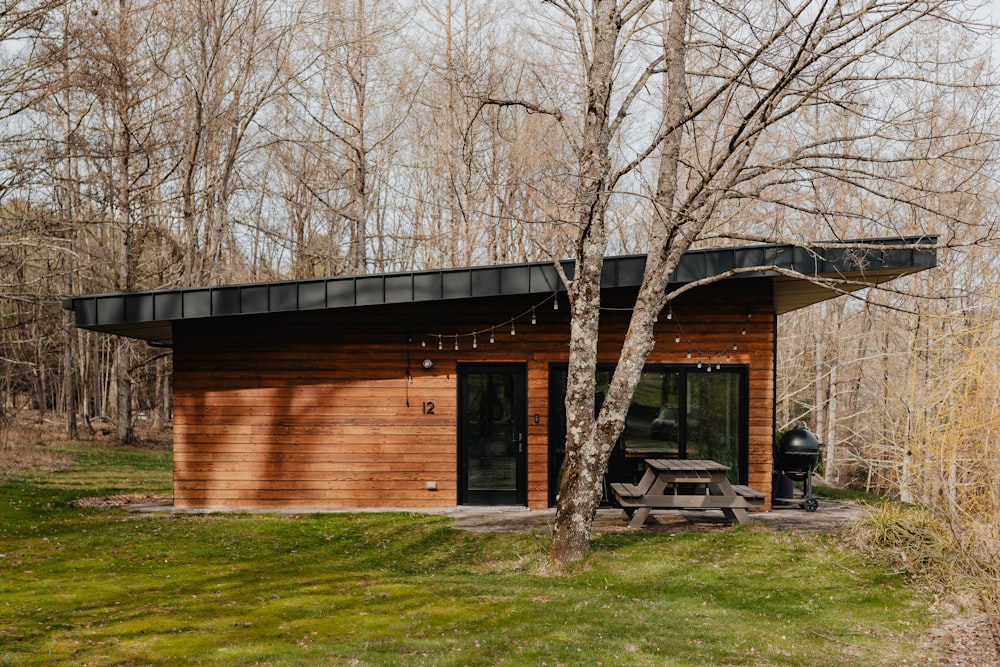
(677, 411)
(713, 419)
(652, 426)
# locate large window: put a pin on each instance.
(676, 412)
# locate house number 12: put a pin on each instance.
(428, 407)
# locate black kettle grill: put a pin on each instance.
(795, 458)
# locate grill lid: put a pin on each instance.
(798, 441)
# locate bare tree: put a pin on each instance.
(347, 103)
(734, 81)
(861, 352)
(228, 66)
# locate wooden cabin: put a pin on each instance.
(444, 388)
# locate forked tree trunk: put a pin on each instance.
(590, 439)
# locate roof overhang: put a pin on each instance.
(799, 275)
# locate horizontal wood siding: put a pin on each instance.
(317, 410)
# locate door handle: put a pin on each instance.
(520, 443)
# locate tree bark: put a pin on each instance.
(590, 440)
(580, 490)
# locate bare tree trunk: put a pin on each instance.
(580, 490)
(591, 440)
(830, 467)
(69, 208)
(125, 430)
(159, 397)
(69, 359)
(819, 386)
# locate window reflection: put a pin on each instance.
(677, 412)
(713, 419)
(652, 427)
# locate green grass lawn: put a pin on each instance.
(108, 587)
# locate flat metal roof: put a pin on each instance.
(149, 315)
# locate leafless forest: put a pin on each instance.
(176, 143)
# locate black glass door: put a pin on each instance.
(492, 434)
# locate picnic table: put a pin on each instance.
(685, 484)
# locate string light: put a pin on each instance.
(691, 348)
(531, 314)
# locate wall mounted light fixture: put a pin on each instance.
(427, 363)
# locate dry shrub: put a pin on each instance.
(953, 557)
(905, 538)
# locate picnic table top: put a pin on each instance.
(686, 465)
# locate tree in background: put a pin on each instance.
(841, 363)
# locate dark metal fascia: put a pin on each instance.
(107, 310)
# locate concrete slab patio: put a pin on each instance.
(831, 515)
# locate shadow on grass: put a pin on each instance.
(110, 587)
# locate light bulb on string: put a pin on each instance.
(513, 331)
(555, 302)
(423, 343)
(456, 342)
(699, 363)
(440, 343)
(475, 344)
(491, 335)
(534, 320)
(670, 313)
(677, 338)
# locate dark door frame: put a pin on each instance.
(519, 416)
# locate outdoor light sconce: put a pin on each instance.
(427, 363)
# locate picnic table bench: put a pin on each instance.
(666, 484)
